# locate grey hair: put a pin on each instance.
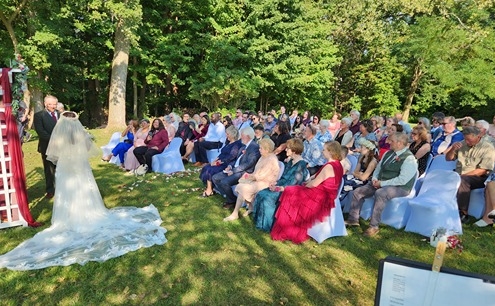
(355, 112)
(471, 130)
(483, 123)
(248, 131)
(402, 137)
(426, 122)
(325, 123)
(233, 131)
(346, 120)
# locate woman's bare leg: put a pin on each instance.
(235, 213)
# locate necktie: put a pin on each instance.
(53, 116)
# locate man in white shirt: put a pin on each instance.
(214, 139)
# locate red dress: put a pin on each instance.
(300, 207)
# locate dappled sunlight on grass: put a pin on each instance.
(210, 262)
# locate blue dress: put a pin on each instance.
(227, 154)
(122, 147)
(266, 201)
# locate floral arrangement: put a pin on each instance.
(19, 84)
(441, 234)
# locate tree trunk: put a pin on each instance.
(120, 62)
(418, 73)
(134, 89)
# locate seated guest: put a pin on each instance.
(366, 132)
(227, 155)
(279, 137)
(489, 202)
(306, 118)
(175, 120)
(420, 147)
(344, 135)
(383, 144)
(292, 118)
(475, 160)
(244, 163)
(198, 132)
(269, 123)
(313, 150)
(346, 163)
(315, 121)
(265, 174)
(334, 124)
(259, 133)
(405, 126)
(297, 126)
(266, 200)
(169, 126)
(367, 162)
(466, 121)
(483, 126)
(245, 121)
(130, 161)
(323, 133)
(236, 121)
(449, 135)
(436, 124)
(393, 177)
(214, 139)
(425, 122)
(184, 132)
(301, 206)
(355, 123)
(156, 141)
(227, 121)
(122, 147)
(255, 121)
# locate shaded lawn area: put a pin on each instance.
(209, 262)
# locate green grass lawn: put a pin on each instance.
(209, 262)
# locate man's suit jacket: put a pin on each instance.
(248, 159)
(44, 124)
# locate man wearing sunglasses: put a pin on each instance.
(450, 134)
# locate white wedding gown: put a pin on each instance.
(82, 229)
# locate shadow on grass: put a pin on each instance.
(207, 261)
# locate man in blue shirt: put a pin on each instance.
(449, 135)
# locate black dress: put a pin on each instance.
(421, 161)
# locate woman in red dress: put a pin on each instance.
(301, 206)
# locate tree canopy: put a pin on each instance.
(379, 57)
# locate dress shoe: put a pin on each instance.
(49, 195)
(351, 223)
(227, 205)
(371, 231)
(464, 218)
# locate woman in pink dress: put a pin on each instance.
(301, 206)
(334, 125)
(130, 161)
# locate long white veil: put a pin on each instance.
(82, 228)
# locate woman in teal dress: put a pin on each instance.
(266, 201)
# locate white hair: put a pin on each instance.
(324, 123)
(248, 131)
(347, 120)
(483, 124)
(355, 112)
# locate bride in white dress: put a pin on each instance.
(82, 228)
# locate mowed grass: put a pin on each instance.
(209, 262)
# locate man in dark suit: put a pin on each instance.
(44, 122)
(245, 163)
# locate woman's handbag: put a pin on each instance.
(141, 170)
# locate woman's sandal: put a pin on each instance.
(205, 195)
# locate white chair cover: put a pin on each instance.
(331, 226)
(114, 140)
(169, 161)
(436, 205)
(397, 211)
(477, 203)
(439, 162)
(353, 160)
